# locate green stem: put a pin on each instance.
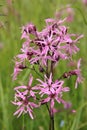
(23, 126)
(37, 72)
(47, 73)
(51, 125)
(52, 122)
(51, 69)
(81, 12)
(33, 68)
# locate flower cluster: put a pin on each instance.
(45, 48)
(52, 43)
(53, 91)
(25, 99)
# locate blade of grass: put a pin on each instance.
(5, 121)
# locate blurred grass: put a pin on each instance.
(17, 14)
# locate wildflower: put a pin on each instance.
(17, 69)
(52, 43)
(78, 73)
(70, 46)
(23, 103)
(26, 54)
(23, 97)
(70, 13)
(45, 48)
(28, 29)
(28, 88)
(41, 58)
(53, 90)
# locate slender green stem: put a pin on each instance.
(33, 68)
(37, 72)
(81, 12)
(47, 73)
(23, 124)
(51, 124)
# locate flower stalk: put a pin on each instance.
(51, 120)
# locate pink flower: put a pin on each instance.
(52, 43)
(45, 49)
(27, 89)
(23, 103)
(53, 90)
(26, 54)
(28, 29)
(70, 46)
(17, 69)
(40, 57)
(51, 21)
(70, 13)
(78, 73)
(23, 97)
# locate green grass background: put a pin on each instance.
(11, 19)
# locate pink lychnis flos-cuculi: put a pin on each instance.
(44, 50)
(23, 96)
(52, 90)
